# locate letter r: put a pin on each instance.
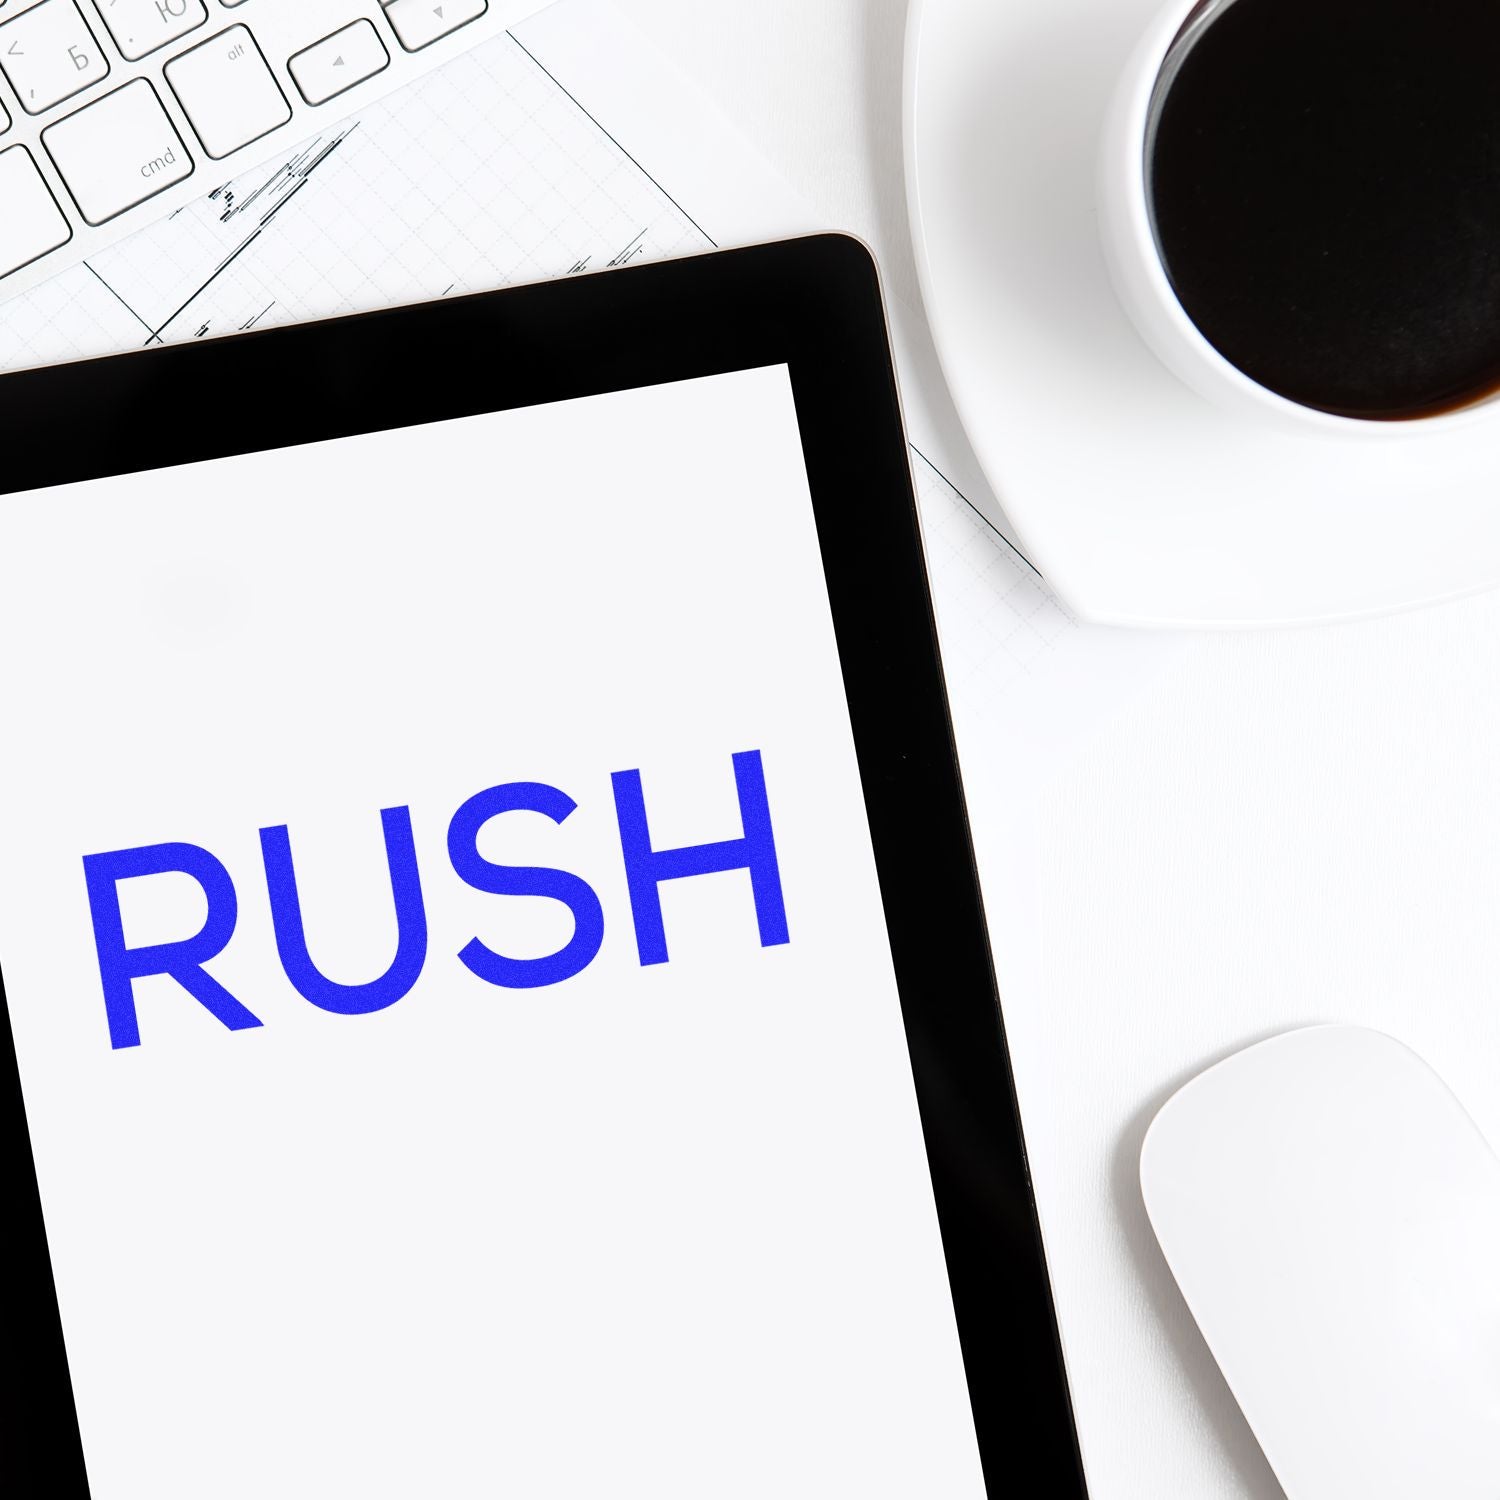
(120, 966)
(646, 868)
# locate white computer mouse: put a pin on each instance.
(1332, 1216)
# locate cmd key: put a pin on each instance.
(117, 152)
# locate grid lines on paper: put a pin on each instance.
(1010, 620)
(484, 173)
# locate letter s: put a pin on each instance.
(518, 880)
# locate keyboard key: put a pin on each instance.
(420, 23)
(338, 62)
(4, 120)
(228, 92)
(117, 152)
(139, 27)
(31, 223)
(49, 54)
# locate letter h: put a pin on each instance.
(646, 868)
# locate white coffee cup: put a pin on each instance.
(1140, 276)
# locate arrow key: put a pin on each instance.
(334, 65)
(420, 23)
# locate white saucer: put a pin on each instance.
(1141, 502)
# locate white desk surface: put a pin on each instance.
(1269, 831)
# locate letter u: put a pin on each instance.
(291, 938)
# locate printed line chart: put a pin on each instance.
(484, 173)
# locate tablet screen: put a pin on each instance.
(449, 978)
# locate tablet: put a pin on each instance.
(498, 997)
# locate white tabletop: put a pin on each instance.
(1256, 832)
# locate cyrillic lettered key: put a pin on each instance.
(49, 54)
(117, 152)
(31, 223)
(324, 70)
(227, 91)
(420, 23)
(139, 27)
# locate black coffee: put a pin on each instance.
(1325, 179)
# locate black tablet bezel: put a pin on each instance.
(813, 305)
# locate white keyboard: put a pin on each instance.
(113, 113)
